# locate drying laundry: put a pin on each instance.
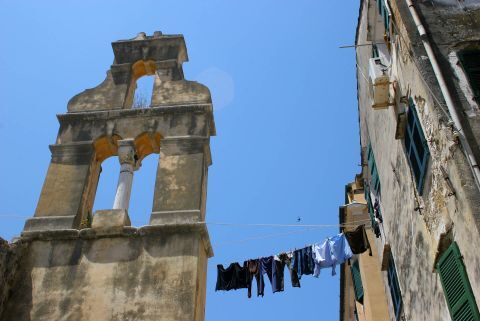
(358, 240)
(302, 261)
(306, 261)
(253, 271)
(274, 270)
(334, 250)
(286, 258)
(232, 278)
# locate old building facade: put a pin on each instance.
(72, 264)
(418, 80)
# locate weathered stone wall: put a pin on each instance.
(10, 256)
(151, 273)
(414, 234)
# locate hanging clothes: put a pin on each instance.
(302, 261)
(376, 210)
(334, 250)
(253, 271)
(278, 274)
(358, 240)
(275, 272)
(232, 278)
(376, 228)
(286, 258)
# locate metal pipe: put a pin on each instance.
(446, 94)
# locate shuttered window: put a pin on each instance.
(375, 51)
(372, 167)
(357, 281)
(371, 210)
(385, 13)
(470, 60)
(456, 286)
(416, 147)
(395, 293)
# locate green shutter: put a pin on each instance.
(456, 286)
(357, 281)
(372, 166)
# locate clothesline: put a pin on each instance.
(354, 223)
(305, 261)
(242, 224)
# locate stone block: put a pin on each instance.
(168, 217)
(110, 218)
(49, 223)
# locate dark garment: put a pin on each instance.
(293, 273)
(232, 278)
(253, 271)
(376, 210)
(274, 271)
(376, 229)
(302, 261)
(358, 240)
(278, 276)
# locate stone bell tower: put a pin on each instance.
(79, 265)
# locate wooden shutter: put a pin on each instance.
(357, 281)
(456, 286)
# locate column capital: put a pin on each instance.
(126, 151)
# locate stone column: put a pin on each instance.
(126, 156)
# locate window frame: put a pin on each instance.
(413, 129)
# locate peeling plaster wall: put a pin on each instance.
(414, 235)
(10, 255)
(154, 273)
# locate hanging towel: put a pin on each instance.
(358, 240)
(232, 278)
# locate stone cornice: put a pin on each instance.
(72, 153)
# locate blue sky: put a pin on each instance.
(285, 109)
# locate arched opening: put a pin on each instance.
(143, 79)
(147, 148)
(143, 187)
(143, 92)
(107, 184)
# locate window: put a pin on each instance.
(394, 287)
(384, 11)
(357, 281)
(470, 60)
(142, 97)
(372, 166)
(416, 146)
(368, 198)
(456, 286)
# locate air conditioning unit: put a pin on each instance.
(380, 82)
